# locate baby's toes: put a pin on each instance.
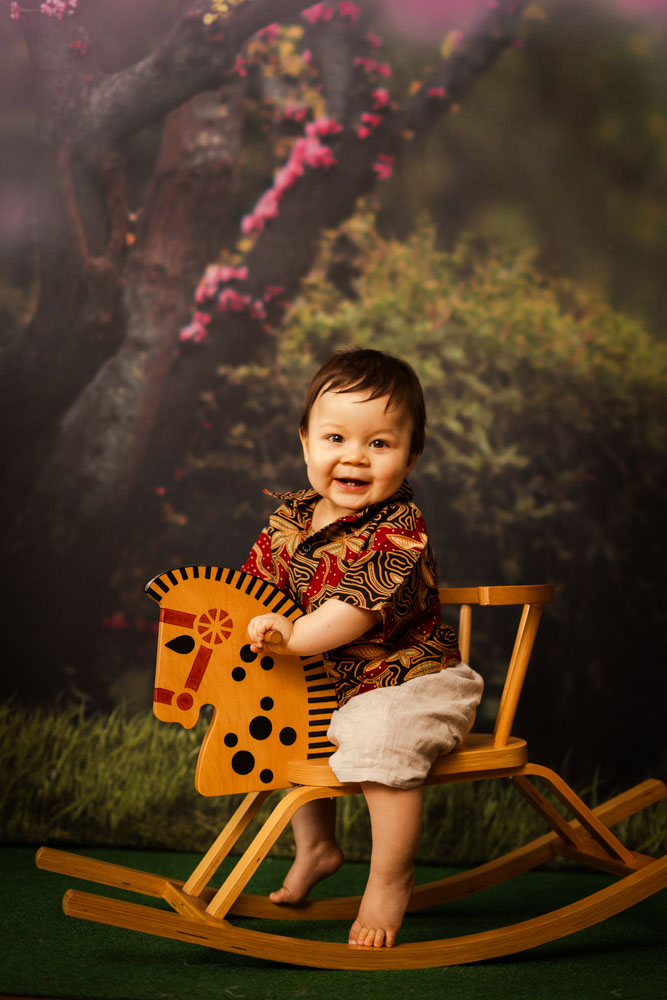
(357, 933)
(375, 938)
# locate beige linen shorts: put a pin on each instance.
(392, 735)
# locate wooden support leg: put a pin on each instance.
(221, 847)
(598, 831)
(265, 839)
(558, 823)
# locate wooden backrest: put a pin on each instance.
(531, 599)
(268, 708)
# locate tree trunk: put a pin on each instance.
(65, 541)
(99, 354)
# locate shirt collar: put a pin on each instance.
(303, 500)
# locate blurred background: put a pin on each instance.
(505, 233)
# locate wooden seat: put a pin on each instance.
(269, 731)
(479, 754)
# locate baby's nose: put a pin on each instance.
(355, 455)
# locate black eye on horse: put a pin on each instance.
(181, 644)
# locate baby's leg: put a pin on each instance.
(396, 822)
(317, 853)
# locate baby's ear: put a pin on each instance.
(304, 443)
(411, 463)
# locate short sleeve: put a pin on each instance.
(260, 561)
(395, 575)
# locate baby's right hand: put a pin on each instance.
(259, 630)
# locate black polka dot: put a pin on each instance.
(287, 736)
(247, 654)
(231, 739)
(238, 673)
(260, 727)
(266, 663)
(266, 704)
(266, 775)
(243, 762)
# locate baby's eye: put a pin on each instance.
(379, 443)
(335, 438)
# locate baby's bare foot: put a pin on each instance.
(309, 868)
(382, 910)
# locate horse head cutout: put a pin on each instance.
(269, 708)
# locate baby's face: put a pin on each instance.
(357, 451)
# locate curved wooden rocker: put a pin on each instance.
(269, 731)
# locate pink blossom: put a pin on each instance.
(370, 66)
(239, 66)
(257, 310)
(269, 33)
(323, 126)
(228, 273)
(371, 120)
(437, 92)
(363, 132)
(384, 166)
(229, 299)
(307, 151)
(347, 9)
(374, 41)
(319, 11)
(249, 223)
(196, 330)
(381, 98)
(79, 47)
(290, 173)
(14, 11)
(203, 292)
(213, 276)
(307, 56)
(272, 291)
(160, 490)
(296, 112)
(58, 8)
(314, 153)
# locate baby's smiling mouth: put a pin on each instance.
(347, 481)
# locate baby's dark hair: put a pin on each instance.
(379, 374)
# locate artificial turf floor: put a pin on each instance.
(45, 954)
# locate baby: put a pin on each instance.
(354, 554)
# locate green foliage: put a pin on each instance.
(537, 391)
(547, 427)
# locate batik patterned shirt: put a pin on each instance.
(379, 559)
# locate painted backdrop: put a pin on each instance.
(202, 199)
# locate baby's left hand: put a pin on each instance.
(260, 627)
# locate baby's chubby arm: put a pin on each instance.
(332, 625)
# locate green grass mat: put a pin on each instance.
(45, 954)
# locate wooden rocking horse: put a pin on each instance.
(269, 731)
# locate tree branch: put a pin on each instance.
(455, 76)
(194, 57)
(322, 198)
